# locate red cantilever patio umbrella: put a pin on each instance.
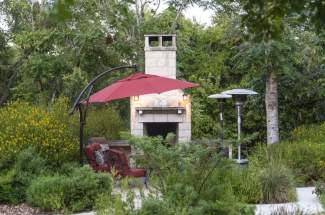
(133, 85)
(138, 84)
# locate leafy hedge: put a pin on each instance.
(76, 191)
(23, 125)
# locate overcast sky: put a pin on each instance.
(199, 14)
(195, 12)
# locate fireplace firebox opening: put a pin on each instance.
(160, 129)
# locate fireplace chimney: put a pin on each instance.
(159, 114)
(160, 55)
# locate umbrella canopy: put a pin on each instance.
(138, 84)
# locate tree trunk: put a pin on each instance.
(271, 104)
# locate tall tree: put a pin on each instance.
(264, 20)
(60, 44)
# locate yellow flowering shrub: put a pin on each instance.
(23, 125)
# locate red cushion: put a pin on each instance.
(119, 160)
(137, 172)
(102, 168)
(116, 159)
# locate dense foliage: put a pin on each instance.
(63, 188)
(59, 46)
(104, 122)
(184, 179)
(304, 154)
(50, 132)
(51, 49)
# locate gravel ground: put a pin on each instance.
(21, 209)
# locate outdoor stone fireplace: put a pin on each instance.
(159, 114)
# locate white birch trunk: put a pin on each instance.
(271, 104)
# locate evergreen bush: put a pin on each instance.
(14, 182)
(76, 191)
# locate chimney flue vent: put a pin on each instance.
(160, 42)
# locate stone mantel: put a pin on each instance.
(160, 110)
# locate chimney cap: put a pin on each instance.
(158, 35)
(160, 42)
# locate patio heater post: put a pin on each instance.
(222, 98)
(238, 107)
(78, 104)
(221, 119)
(239, 96)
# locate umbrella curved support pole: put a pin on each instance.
(93, 81)
(81, 133)
(82, 113)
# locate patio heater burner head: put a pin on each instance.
(239, 95)
(220, 96)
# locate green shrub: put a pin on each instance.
(113, 204)
(154, 206)
(76, 191)
(305, 159)
(305, 153)
(192, 178)
(277, 184)
(67, 168)
(14, 182)
(23, 125)
(8, 193)
(47, 192)
(104, 122)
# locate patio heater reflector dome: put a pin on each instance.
(219, 96)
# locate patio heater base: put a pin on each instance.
(241, 161)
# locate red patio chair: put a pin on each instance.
(120, 162)
(115, 158)
(90, 153)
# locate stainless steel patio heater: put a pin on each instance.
(239, 96)
(222, 98)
